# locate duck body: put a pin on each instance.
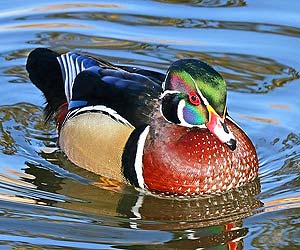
(191, 161)
(165, 133)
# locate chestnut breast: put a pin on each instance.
(191, 161)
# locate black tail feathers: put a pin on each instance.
(45, 73)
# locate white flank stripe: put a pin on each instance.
(138, 164)
(101, 108)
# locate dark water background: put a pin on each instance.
(48, 203)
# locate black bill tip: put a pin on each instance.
(231, 144)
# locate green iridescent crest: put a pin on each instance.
(193, 76)
(195, 96)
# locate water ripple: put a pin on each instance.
(48, 202)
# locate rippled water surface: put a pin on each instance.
(46, 202)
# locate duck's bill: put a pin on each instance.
(218, 127)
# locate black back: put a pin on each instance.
(132, 92)
(45, 73)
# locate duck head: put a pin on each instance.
(194, 95)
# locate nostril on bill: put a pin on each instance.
(225, 127)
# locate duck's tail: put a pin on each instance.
(45, 73)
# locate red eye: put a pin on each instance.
(194, 99)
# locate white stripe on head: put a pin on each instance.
(164, 82)
(163, 85)
(138, 163)
(198, 91)
(166, 92)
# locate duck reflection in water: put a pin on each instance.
(206, 221)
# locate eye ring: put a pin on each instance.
(194, 99)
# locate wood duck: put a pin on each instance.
(167, 134)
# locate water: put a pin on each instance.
(46, 202)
